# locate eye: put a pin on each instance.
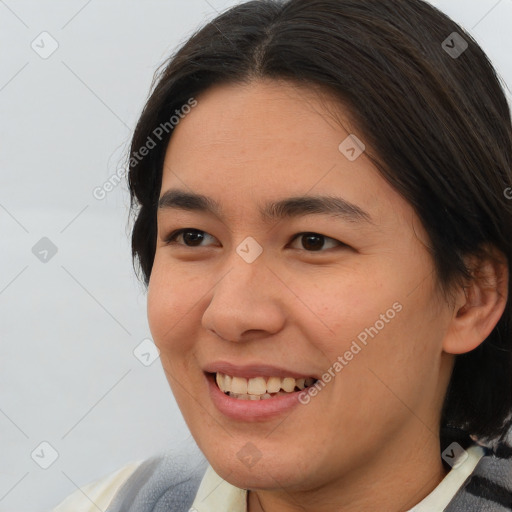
(191, 237)
(314, 242)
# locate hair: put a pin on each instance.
(439, 125)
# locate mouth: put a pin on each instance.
(259, 388)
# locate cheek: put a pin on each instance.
(344, 303)
(171, 306)
(374, 322)
(172, 301)
(399, 362)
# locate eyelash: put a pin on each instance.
(171, 239)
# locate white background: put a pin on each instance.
(68, 327)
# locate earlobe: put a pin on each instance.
(479, 304)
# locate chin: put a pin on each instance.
(248, 468)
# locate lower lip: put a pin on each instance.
(251, 410)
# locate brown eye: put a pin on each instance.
(314, 242)
(310, 242)
(191, 237)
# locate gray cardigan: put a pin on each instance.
(169, 483)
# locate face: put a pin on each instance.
(344, 298)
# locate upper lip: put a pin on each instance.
(250, 371)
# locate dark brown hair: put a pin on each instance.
(437, 121)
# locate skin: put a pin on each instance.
(374, 427)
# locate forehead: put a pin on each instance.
(257, 130)
(246, 119)
(269, 140)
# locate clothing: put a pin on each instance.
(441, 496)
(178, 480)
(166, 482)
(99, 493)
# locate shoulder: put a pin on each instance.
(99, 493)
(168, 481)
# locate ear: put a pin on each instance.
(479, 304)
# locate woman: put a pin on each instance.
(322, 221)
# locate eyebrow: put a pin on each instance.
(290, 207)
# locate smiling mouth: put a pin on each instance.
(260, 388)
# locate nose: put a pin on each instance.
(246, 303)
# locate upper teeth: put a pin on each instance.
(259, 385)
